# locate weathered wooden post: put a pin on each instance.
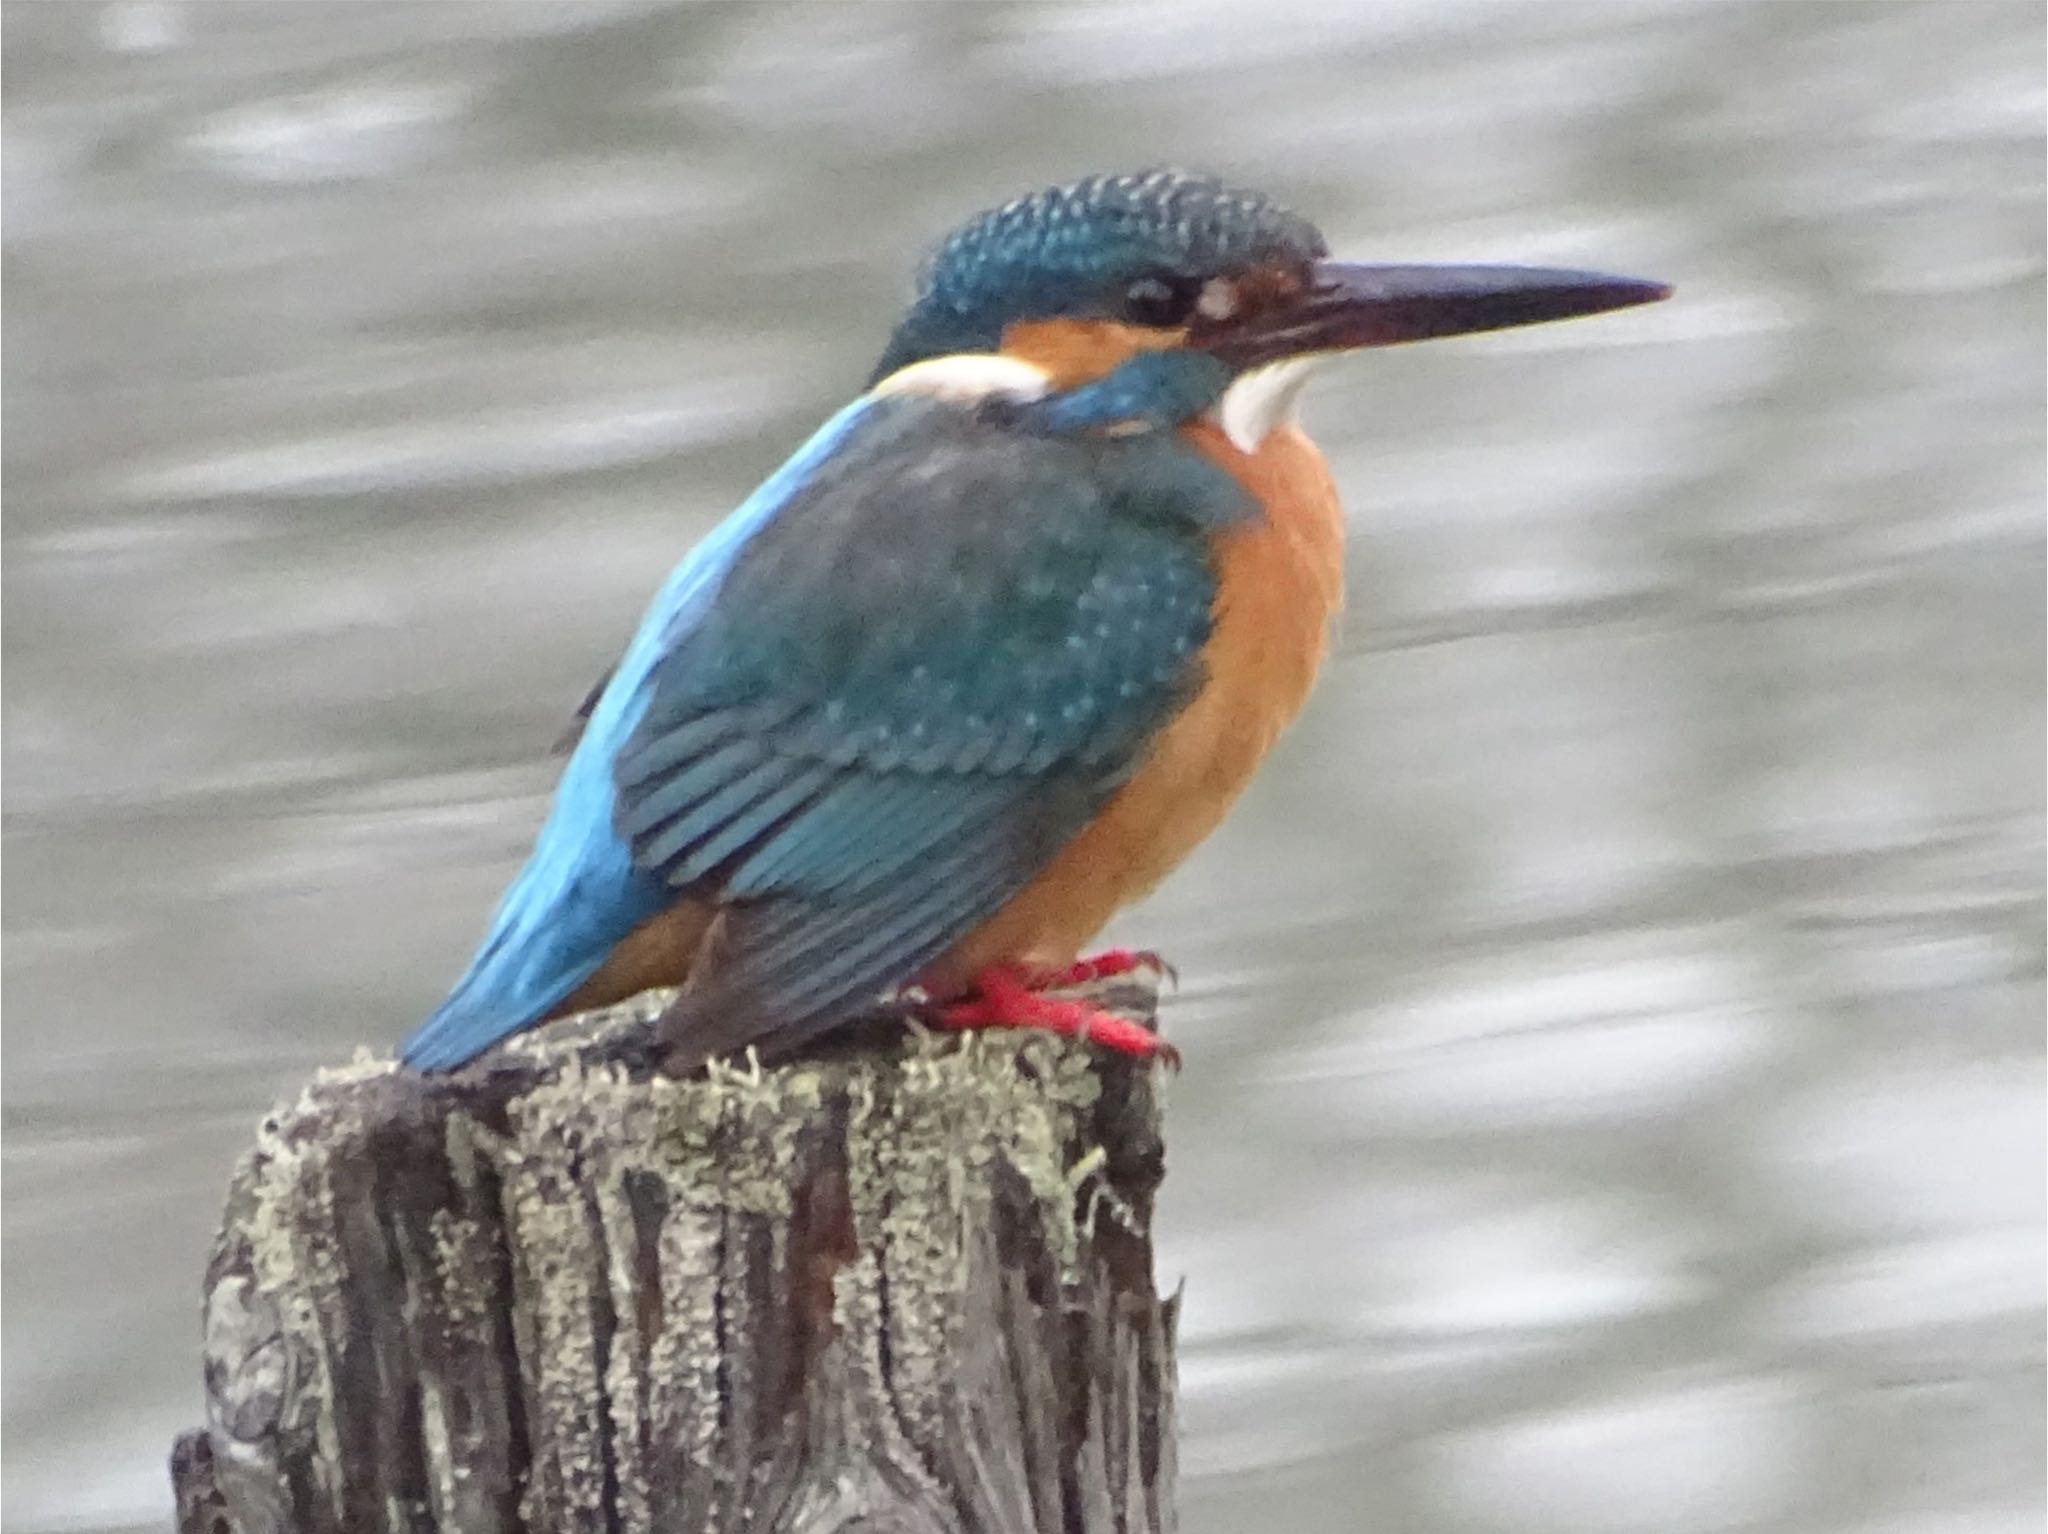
(903, 1285)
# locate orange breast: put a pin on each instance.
(1279, 583)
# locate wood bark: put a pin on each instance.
(902, 1285)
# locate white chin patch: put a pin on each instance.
(967, 377)
(1260, 400)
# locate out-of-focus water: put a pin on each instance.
(1614, 1021)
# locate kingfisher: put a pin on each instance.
(991, 654)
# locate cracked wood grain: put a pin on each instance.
(904, 1285)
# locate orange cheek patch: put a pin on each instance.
(1074, 352)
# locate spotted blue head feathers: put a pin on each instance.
(1135, 247)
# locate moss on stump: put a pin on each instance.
(903, 1284)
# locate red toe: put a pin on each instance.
(1004, 1000)
(1107, 965)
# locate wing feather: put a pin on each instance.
(912, 686)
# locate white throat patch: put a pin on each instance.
(966, 377)
(1260, 400)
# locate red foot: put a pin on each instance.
(1005, 999)
(1106, 965)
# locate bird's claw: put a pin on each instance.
(1004, 999)
(1107, 965)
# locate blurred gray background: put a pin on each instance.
(1614, 1022)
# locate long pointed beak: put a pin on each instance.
(1346, 306)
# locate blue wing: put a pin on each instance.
(579, 894)
(864, 714)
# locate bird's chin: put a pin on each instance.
(1262, 398)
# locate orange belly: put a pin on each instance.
(1279, 583)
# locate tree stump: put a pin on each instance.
(904, 1284)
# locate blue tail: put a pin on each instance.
(577, 898)
(579, 895)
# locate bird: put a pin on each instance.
(991, 653)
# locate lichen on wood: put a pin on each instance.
(902, 1284)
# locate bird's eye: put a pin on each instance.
(1161, 299)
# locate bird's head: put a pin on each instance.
(1221, 296)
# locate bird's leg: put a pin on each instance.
(1009, 997)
